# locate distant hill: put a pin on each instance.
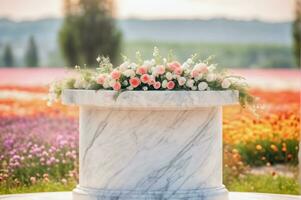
(214, 30)
(206, 31)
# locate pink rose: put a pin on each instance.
(115, 74)
(203, 69)
(145, 78)
(170, 85)
(157, 85)
(151, 81)
(101, 79)
(160, 69)
(174, 65)
(141, 70)
(135, 82)
(117, 86)
(178, 71)
(195, 73)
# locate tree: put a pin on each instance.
(31, 55)
(89, 30)
(297, 33)
(8, 57)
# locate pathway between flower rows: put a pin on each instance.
(68, 196)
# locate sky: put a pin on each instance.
(266, 10)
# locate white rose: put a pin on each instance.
(181, 81)
(147, 63)
(133, 66)
(129, 73)
(164, 84)
(130, 88)
(190, 83)
(124, 66)
(226, 83)
(112, 82)
(202, 86)
(194, 88)
(168, 76)
(185, 66)
(175, 76)
(125, 82)
(211, 77)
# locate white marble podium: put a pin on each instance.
(150, 145)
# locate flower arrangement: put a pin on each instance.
(158, 73)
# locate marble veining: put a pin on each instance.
(151, 152)
(150, 99)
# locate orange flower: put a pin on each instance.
(274, 147)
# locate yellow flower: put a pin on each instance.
(258, 147)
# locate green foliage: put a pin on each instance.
(40, 186)
(88, 32)
(227, 55)
(271, 152)
(297, 33)
(265, 184)
(8, 57)
(31, 55)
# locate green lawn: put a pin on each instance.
(39, 187)
(265, 184)
(250, 183)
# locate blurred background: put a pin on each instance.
(40, 41)
(242, 34)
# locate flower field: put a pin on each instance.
(38, 144)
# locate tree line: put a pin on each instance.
(89, 30)
(31, 58)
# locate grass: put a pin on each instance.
(265, 184)
(51, 186)
(249, 183)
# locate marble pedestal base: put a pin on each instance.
(201, 194)
(155, 145)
